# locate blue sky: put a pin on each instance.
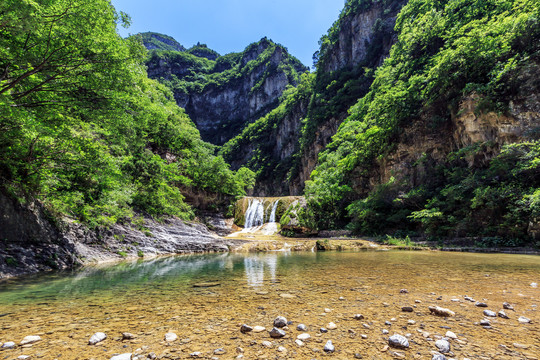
(230, 25)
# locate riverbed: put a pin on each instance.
(205, 299)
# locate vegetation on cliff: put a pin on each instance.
(84, 130)
(446, 51)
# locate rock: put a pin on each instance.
(128, 336)
(485, 322)
(323, 330)
(327, 310)
(490, 313)
(30, 339)
(244, 329)
(341, 298)
(299, 342)
(468, 298)
(439, 311)
(126, 356)
(329, 347)
(287, 296)
(23, 357)
(407, 309)
(206, 285)
(398, 341)
(363, 336)
(277, 333)
(403, 291)
(524, 320)
(507, 306)
(443, 346)
(280, 322)
(8, 345)
(451, 335)
(282, 349)
(358, 317)
(438, 357)
(303, 337)
(267, 344)
(258, 329)
(503, 315)
(170, 337)
(411, 322)
(366, 326)
(151, 356)
(331, 326)
(520, 346)
(385, 332)
(220, 351)
(97, 338)
(301, 327)
(481, 304)
(195, 354)
(534, 285)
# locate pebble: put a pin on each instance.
(366, 326)
(128, 336)
(299, 342)
(407, 309)
(520, 346)
(481, 304)
(439, 311)
(331, 326)
(30, 339)
(23, 357)
(358, 317)
(282, 349)
(126, 356)
(398, 341)
(443, 346)
(403, 291)
(485, 322)
(303, 336)
(195, 354)
(438, 357)
(280, 322)
(451, 335)
(220, 351)
(385, 332)
(277, 333)
(341, 298)
(490, 313)
(363, 336)
(507, 306)
(468, 298)
(170, 337)
(534, 285)
(327, 310)
(8, 345)
(258, 329)
(524, 320)
(329, 347)
(301, 327)
(411, 322)
(267, 344)
(503, 315)
(245, 329)
(323, 330)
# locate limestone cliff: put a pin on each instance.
(222, 94)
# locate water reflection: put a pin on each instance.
(255, 267)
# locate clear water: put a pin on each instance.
(205, 299)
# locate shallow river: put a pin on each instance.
(205, 300)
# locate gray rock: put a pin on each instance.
(303, 336)
(220, 351)
(407, 309)
(126, 356)
(277, 333)
(267, 344)
(398, 341)
(170, 337)
(358, 317)
(507, 306)
(30, 339)
(451, 335)
(443, 346)
(245, 329)
(329, 347)
(403, 291)
(23, 357)
(323, 330)
(524, 320)
(439, 311)
(385, 332)
(195, 354)
(331, 326)
(8, 345)
(280, 322)
(97, 338)
(485, 322)
(301, 327)
(490, 313)
(481, 304)
(128, 336)
(438, 357)
(503, 315)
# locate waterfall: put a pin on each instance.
(260, 218)
(254, 214)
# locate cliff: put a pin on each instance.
(222, 94)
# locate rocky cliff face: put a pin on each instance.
(224, 94)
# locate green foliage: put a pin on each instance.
(157, 41)
(445, 50)
(83, 129)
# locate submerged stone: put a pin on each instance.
(329, 347)
(280, 322)
(97, 338)
(398, 341)
(277, 333)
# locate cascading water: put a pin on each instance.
(256, 215)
